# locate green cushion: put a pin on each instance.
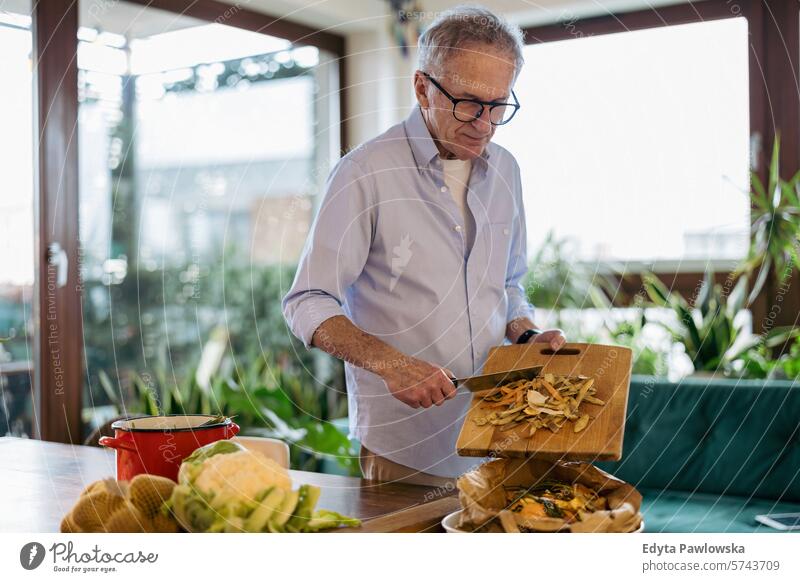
(723, 437)
(676, 512)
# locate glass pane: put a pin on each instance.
(636, 145)
(202, 151)
(17, 273)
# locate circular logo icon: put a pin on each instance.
(31, 555)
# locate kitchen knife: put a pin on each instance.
(489, 381)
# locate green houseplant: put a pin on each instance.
(774, 226)
(711, 329)
(708, 329)
(564, 287)
(647, 360)
(555, 281)
(758, 362)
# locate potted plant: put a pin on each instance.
(774, 226)
(758, 363)
(711, 329)
(648, 360)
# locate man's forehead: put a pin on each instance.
(469, 85)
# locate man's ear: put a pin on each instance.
(420, 89)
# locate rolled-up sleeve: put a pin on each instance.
(518, 305)
(334, 254)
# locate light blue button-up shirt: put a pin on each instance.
(387, 250)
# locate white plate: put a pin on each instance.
(450, 522)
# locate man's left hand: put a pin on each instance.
(555, 337)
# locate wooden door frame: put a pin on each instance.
(58, 321)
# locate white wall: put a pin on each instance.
(379, 81)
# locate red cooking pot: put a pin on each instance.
(158, 444)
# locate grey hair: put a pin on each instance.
(466, 25)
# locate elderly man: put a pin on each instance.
(412, 270)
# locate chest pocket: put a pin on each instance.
(497, 241)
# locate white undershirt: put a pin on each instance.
(456, 177)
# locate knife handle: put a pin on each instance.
(454, 381)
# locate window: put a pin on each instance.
(17, 273)
(635, 146)
(202, 148)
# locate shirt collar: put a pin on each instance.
(424, 149)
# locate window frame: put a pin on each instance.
(774, 33)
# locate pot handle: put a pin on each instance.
(231, 430)
(117, 443)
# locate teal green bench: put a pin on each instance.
(708, 455)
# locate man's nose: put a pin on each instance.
(483, 122)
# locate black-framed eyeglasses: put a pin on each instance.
(468, 110)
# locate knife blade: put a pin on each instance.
(489, 381)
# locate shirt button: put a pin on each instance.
(444, 188)
(505, 231)
(457, 228)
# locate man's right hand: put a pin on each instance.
(418, 383)
(410, 380)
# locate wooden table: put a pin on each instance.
(40, 481)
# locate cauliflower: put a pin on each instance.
(225, 487)
(246, 473)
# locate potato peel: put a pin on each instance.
(548, 401)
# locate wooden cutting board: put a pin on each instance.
(610, 366)
(424, 517)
